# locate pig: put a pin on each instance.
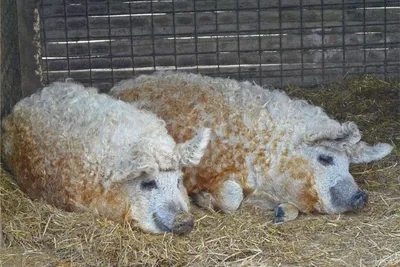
(81, 150)
(270, 150)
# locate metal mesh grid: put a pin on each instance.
(286, 42)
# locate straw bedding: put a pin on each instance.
(37, 234)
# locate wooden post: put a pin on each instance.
(1, 230)
(18, 65)
(10, 79)
(30, 80)
(1, 65)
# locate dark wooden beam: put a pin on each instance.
(18, 76)
(10, 79)
(30, 80)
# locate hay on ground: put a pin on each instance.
(37, 234)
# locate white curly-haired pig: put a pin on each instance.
(81, 150)
(283, 154)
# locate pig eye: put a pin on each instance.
(148, 185)
(179, 183)
(325, 160)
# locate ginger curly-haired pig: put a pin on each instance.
(284, 154)
(81, 150)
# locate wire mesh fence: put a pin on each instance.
(277, 42)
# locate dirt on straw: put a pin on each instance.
(37, 234)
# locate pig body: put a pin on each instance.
(283, 154)
(79, 150)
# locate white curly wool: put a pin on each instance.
(281, 150)
(78, 149)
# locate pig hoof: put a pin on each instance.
(285, 212)
(279, 215)
(230, 196)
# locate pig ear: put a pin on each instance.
(364, 153)
(143, 164)
(340, 137)
(191, 152)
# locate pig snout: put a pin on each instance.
(359, 200)
(173, 219)
(346, 196)
(183, 224)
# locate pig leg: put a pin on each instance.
(227, 199)
(229, 196)
(285, 212)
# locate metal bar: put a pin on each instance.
(238, 38)
(66, 35)
(224, 33)
(288, 7)
(44, 42)
(280, 42)
(152, 35)
(301, 42)
(305, 49)
(259, 40)
(217, 32)
(323, 41)
(131, 38)
(344, 40)
(88, 36)
(110, 43)
(174, 33)
(196, 36)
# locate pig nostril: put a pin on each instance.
(183, 224)
(359, 199)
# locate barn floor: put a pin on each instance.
(37, 234)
